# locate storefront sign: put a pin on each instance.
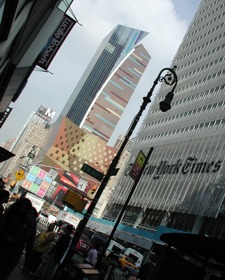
(190, 166)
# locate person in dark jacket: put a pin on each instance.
(4, 198)
(2, 184)
(30, 237)
(40, 247)
(146, 271)
(15, 231)
(57, 254)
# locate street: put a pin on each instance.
(17, 274)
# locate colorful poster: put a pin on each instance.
(42, 174)
(70, 180)
(37, 181)
(74, 182)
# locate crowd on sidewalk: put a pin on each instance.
(24, 254)
(18, 235)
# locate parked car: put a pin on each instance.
(83, 245)
(129, 270)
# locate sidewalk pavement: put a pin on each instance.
(17, 273)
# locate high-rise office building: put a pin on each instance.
(80, 134)
(109, 81)
(29, 141)
(183, 185)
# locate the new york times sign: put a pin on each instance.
(191, 165)
(56, 40)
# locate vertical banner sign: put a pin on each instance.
(55, 41)
(138, 165)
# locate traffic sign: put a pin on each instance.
(138, 165)
(20, 175)
(92, 172)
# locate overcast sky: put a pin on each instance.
(165, 20)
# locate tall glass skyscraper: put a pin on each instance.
(183, 185)
(109, 81)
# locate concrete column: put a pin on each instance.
(197, 225)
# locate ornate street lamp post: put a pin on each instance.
(170, 78)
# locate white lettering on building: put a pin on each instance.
(49, 113)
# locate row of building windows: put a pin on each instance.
(203, 67)
(192, 112)
(184, 129)
(199, 58)
(85, 151)
(82, 140)
(208, 23)
(74, 131)
(205, 10)
(208, 33)
(200, 82)
(68, 141)
(201, 96)
(196, 84)
(201, 47)
(197, 97)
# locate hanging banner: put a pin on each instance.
(55, 41)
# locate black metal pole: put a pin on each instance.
(170, 79)
(120, 216)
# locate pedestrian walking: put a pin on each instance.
(57, 254)
(92, 256)
(36, 248)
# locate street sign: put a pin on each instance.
(138, 165)
(92, 172)
(20, 175)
